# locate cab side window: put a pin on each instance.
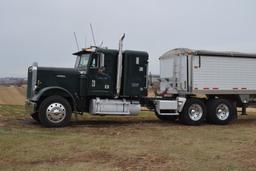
(94, 62)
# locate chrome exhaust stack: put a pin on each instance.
(119, 66)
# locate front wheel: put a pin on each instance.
(193, 112)
(55, 111)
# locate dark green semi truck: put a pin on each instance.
(114, 82)
(103, 82)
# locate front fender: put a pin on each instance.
(37, 96)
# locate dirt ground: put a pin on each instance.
(124, 143)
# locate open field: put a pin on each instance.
(124, 143)
(12, 95)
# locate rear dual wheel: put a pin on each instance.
(194, 112)
(221, 111)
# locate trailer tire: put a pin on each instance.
(193, 112)
(166, 118)
(35, 116)
(221, 111)
(55, 111)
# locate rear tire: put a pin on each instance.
(55, 111)
(193, 112)
(221, 111)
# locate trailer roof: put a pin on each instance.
(185, 51)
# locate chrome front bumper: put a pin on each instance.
(30, 107)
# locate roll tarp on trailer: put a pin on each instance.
(186, 52)
(224, 54)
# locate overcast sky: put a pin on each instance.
(42, 30)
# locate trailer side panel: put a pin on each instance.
(223, 74)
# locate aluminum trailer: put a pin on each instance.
(206, 84)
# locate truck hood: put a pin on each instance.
(67, 78)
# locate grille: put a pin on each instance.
(29, 83)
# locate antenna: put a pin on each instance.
(93, 37)
(101, 43)
(76, 41)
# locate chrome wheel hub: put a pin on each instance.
(55, 112)
(222, 112)
(195, 112)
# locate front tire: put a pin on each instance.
(221, 111)
(193, 112)
(55, 111)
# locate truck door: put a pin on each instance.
(99, 82)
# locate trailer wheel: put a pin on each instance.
(193, 112)
(168, 118)
(55, 111)
(35, 116)
(221, 111)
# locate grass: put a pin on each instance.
(124, 143)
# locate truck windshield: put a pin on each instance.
(82, 61)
